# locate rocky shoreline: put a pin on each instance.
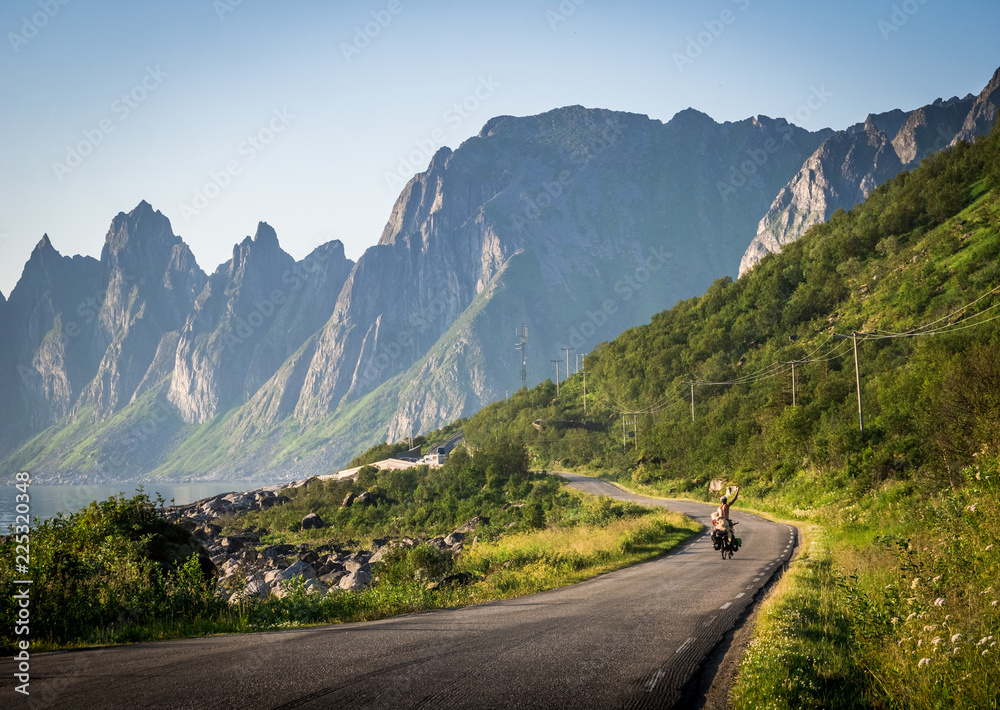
(244, 571)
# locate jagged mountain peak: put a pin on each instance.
(44, 245)
(983, 113)
(141, 224)
(265, 235)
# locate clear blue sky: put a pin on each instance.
(200, 77)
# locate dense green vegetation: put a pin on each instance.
(917, 269)
(495, 483)
(107, 571)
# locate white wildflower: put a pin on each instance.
(936, 578)
(955, 638)
(939, 601)
(923, 662)
(936, 641)
(915, 582)
(971, 508)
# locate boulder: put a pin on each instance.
(309, 556)
(365, 498)
(438, 542)
(348, 500)
(471, 525)
(455, 538)
(299, 569)
(356, 580)
(275, 575)
(314, 586)
(353, 565)
(333, 577)
(312, 522)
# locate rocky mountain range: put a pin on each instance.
(853, 162)
(578, 223)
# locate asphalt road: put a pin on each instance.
(632, 638)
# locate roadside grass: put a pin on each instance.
(895, 604)
(800, 654)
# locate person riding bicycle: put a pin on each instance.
(722, 516)
(724, 504)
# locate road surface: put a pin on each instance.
(632, 638)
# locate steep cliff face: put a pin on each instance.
(853, 162)
(577, 222)
(983, 114)
(256, 310)
(48, 323)
(151, 279)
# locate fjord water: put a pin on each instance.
(46, 501)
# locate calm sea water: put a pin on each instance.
(46, 501)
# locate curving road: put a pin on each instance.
(632, 638)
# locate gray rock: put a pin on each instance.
(472, 524)
(312, 522)
(333, 577)
(299, 569)
(356, 580)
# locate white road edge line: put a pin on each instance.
(741, 594)
(685, 644)
(726, 605)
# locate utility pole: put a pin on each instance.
(522, 345)
(584, 394)
(692, 398)
(557, 375)
(623, 432)
(793, 363)
(857, 374)
(567, 360)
